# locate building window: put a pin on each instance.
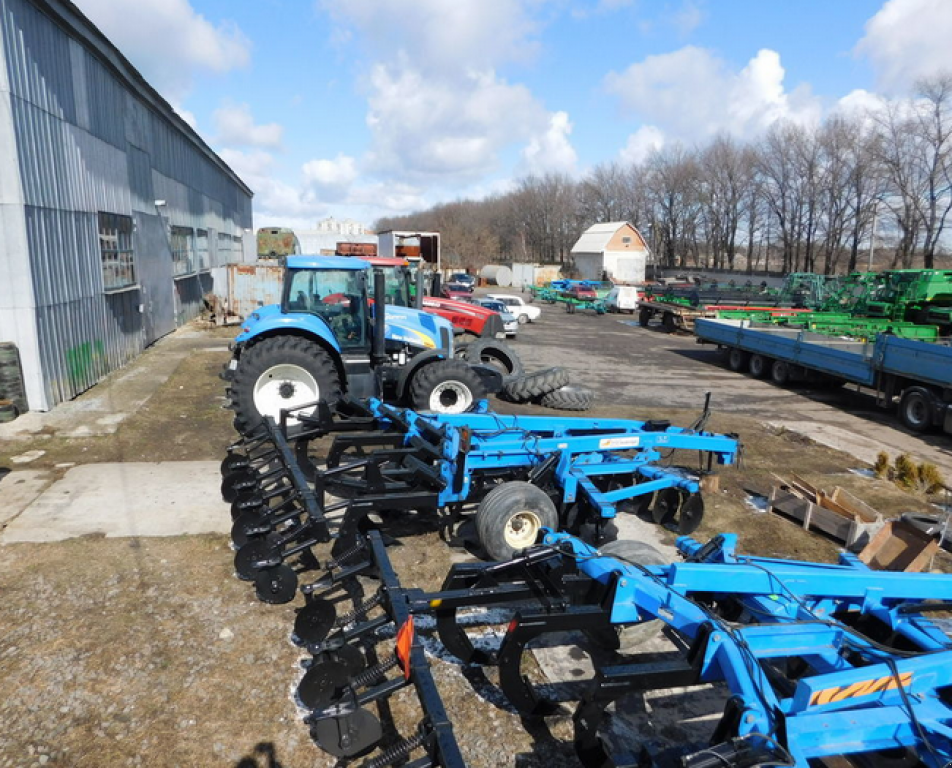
(223, 252)
(201, 246)
(626, 240)
(183, 251)
(115, 245)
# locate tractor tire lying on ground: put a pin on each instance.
(498, 354)
(447, 386)
(631, 637)
(534, 385)
(571, 397)
(281, 372)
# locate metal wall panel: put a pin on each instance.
(253, 285)
(86, 141)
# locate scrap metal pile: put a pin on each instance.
(817, 660)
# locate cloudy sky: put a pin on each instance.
(363, 108)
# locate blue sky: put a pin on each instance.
(363, 108)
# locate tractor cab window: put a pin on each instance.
(337, 296)
(398, 286)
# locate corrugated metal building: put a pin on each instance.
(115, 217)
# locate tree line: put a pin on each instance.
(799, 198)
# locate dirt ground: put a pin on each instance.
(151, 652)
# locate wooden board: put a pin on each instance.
(899, 547)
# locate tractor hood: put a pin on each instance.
(418, 329)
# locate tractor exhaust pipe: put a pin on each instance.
(418, 299)
(378, 352)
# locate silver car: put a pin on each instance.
(510, 322)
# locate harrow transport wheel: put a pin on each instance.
(248, 555)
(737, 359)
(666, 506)
(571, 397)
(498, 354)
(281, 372)
(758, 365)
(277, 585)
(350, 735)
(315, 621)
(510, 517)
(631, 637)
(533, 385)
(447, 386)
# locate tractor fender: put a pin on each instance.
(490, 376)
(263, 323)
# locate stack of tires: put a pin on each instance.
(549, 387)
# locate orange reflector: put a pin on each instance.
(512, 625)
(404, 643)
(436, 603)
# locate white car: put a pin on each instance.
(525, 313)
(509, 322)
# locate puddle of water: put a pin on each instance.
(757, 503)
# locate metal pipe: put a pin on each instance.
(418, 300)
(378, 352)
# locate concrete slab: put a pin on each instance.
(18, 489)
(132, 499)
(857, 445)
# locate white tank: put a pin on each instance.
(496, 274)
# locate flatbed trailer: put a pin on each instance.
(915, 374)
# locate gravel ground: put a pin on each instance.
(150, 652)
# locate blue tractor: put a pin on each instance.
(327, 338)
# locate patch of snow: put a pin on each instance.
(862, 472)
(757, 503)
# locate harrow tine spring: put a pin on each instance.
(375, 673)
(344, 556)
(399, 751)
(360, 611)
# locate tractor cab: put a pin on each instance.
(336, 294)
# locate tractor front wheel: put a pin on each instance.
(447, 386)
(281, 372)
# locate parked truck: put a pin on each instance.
(914, 376)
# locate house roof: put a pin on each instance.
(596, 238)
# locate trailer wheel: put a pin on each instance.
(758, 365)
(533, 385)
(510, 517)
(737, 359)
(281, 372)
(669, 322)
(644, 316)
(915, 409)
(780, 373)
(498, 354)
(447, 386)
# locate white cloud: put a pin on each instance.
(551, 150)
(438, 110)
(168, 41)
(432, 128)
(687, 18)
(692, 94)
(440, 35)
(236, 128)
(907, 40)
(641, 144)
(330, 180)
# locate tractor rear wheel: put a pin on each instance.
(447, 386)
(281, 372)
(510, 517)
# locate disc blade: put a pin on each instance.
(315, 621)
(692, 512)
(244, 529)
(666, 506)
(277, 585)
(248, 555)
(348, 736)
(323, 683)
